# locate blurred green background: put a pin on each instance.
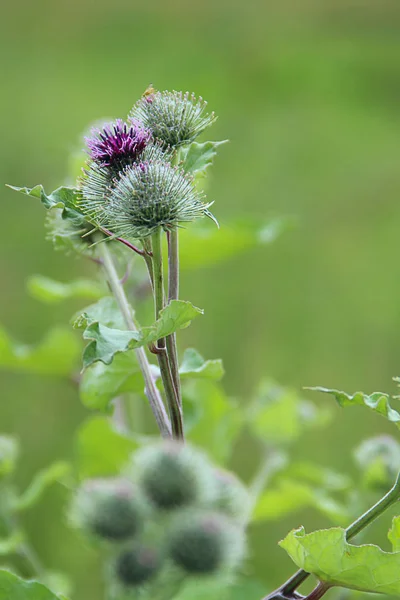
(308, 93)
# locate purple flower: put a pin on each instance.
(117, 144)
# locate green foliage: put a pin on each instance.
(195, 367)
(57, 472)
(15, 588)
(327, 555)
(197, 157)
(57, 353)
(204, 246)
(50, 291)
(106, 342)
(278, 415)
(377, 402)
(100, 449)
(379, 460)
(65, 198)
(9, 451)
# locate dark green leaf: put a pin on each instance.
(50, 291)
(101, 450)
(195, 367)
(56, 354)
(15, 588)
(328, 555)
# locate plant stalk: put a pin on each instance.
(173, 294)
(152, 393)
(393, 495)
(163, 359)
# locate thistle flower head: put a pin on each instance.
(117, 144)
(175, 118)
(150, 195)
(138, 564)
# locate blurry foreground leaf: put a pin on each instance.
(377, 402)
(101, 450)
(56, 472)
(56, 354)
(328, 555)
(11, 544)
(195, 367)
(50, 291)
(15, 588)
(106, 342)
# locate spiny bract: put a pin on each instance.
(175, 118)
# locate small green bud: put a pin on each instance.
(137, 565)
(204, 543)
(174, 475)
(108, 509)
(232, 498)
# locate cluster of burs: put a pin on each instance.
(172, 511)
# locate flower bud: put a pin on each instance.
(108, 509)
(136, 565)
(232, 497)
(203, 543)
(173, 475)
(174, 118)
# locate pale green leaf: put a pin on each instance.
(101, 449)
(379, 460)
(9, 451)
(65, 198)
(279, 414)
(56, 472)
(318, 475)
(204, 245)
(57, 354)
(377, 402)
(50, 291)
(11, 544)
(289, 496)
(394, 534)
(101, 383)
(214, 421)
(15, 588)
(105, 342)
(106, 311)
(197, 157)
(328, 555)
(195, 367)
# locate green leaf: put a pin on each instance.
(56, 472)
(105, 311)
(11, 544)
(9, 451)
(204, 245)
(279, 414)
(379, 460)
(214, 421)
(289, 496)
(318, 475)
(56, 354)
(15, 588)
(328, 555)
(101, 383)
(65, 198)
(106, 342)
(197, 157)
(195, 367)
(394, 534)
(101, 450)
(377, 402)
(50, 291)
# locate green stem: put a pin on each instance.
(151, 390)
(352, 530)
(173, 294)
(162, 355)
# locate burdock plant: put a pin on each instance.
(169, 522)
